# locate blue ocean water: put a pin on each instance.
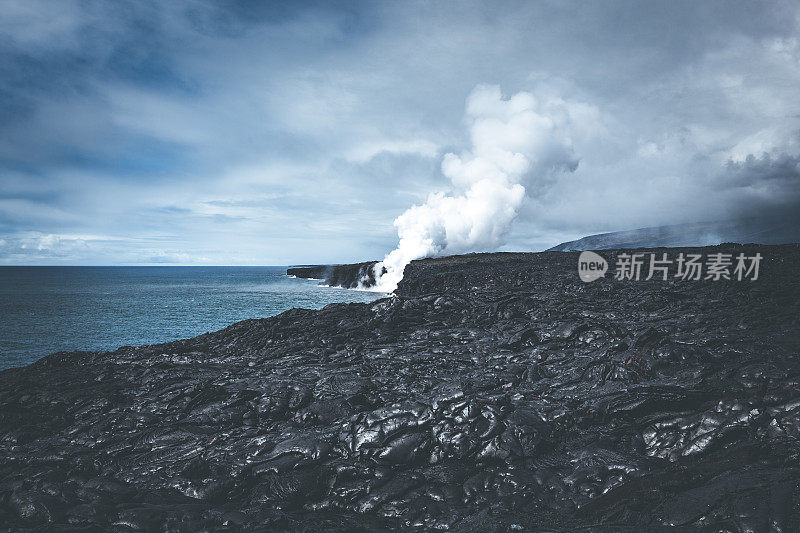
(49, 309)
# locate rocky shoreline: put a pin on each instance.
(492, 392)
(347, 276)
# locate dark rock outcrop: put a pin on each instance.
(494, 392)
(347, 276)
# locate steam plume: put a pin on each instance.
(518, 144)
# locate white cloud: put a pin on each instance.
(332, 122)
(363, 152)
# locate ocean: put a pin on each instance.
(49, 309)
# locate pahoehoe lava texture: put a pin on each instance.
(494, 392)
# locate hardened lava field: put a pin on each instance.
(494, 392)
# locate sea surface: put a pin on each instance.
(49, 309)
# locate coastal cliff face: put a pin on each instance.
(493, 392)
(347, 276)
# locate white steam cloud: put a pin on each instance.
(518, 145)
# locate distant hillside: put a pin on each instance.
(757, 230)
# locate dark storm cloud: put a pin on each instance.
(276, 132)
(769, 186)
(783, 169)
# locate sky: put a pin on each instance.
(258, 133)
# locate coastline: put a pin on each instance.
(483, 372)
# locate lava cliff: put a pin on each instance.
(347, 276)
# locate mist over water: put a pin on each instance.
(519, 145)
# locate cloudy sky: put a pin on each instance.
(212, 132)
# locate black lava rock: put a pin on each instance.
(493, 392)
(347, 276)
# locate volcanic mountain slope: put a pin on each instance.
(778, 229)
(494, 392)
